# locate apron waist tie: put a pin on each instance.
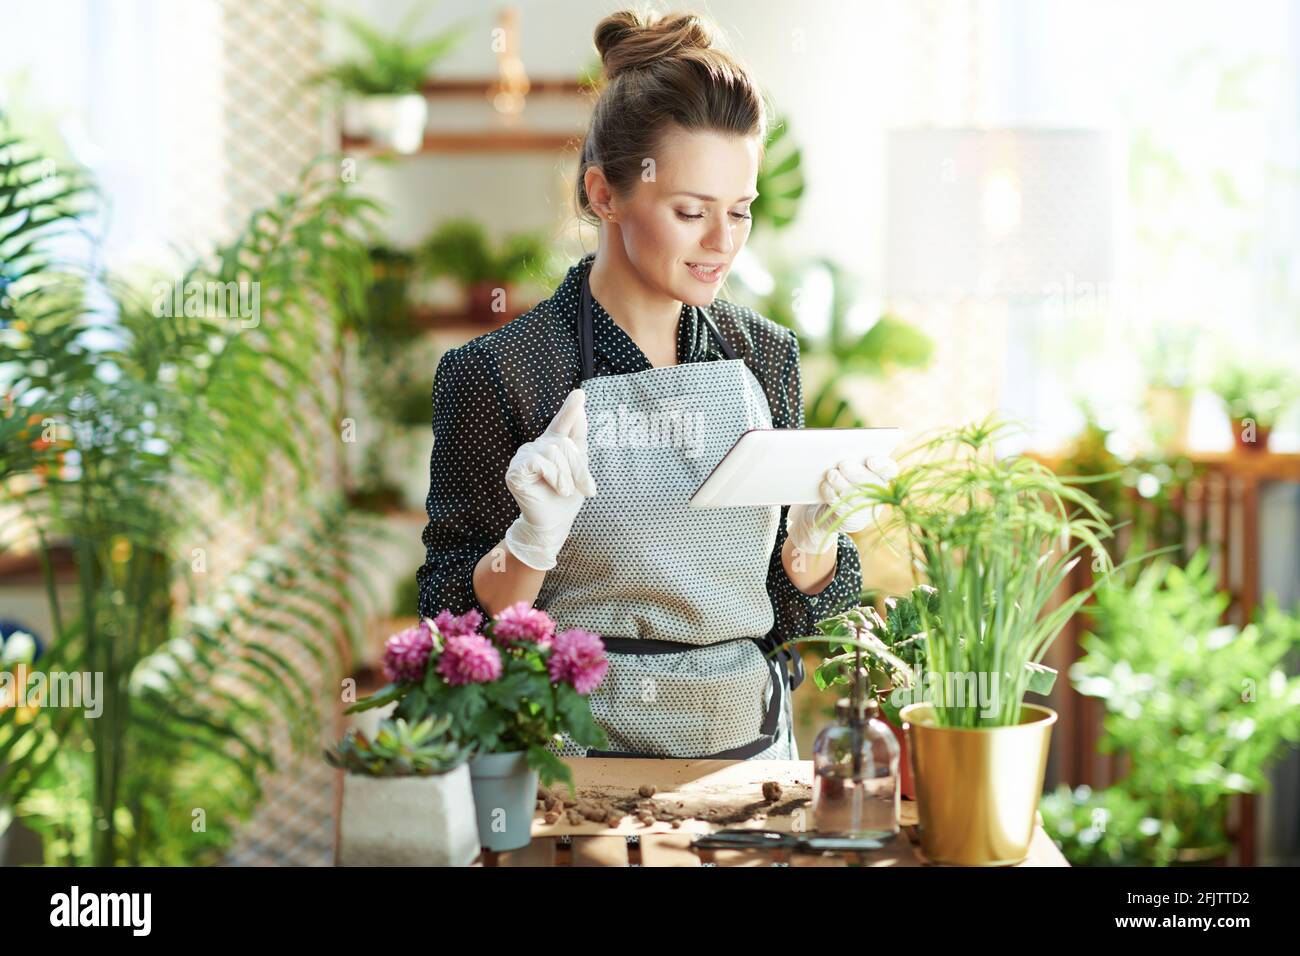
(644, 645)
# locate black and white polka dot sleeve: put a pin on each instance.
(469, 505)
(796, 613)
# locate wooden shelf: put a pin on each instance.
(1256, 465)
(25, 569)
(475, 86)
(460, 322)
(487, 141)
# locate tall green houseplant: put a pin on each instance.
(121, 421)
(995, 536)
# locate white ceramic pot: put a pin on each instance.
(408, 821)
(505, 793)
(395, 121)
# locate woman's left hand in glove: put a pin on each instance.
(808, 526)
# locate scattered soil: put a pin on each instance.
(598, 806)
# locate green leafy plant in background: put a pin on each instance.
(780, 180)
(591, 75)
(1105, 827)
(400, 749)
(995, 537)
(888, 345)
(123, 429)
(1141, 495)
(382, 321)
(892, 647)
(406, 596)
(460, 249)
(389, 63)
(389, 377)
(1201, 710)
(1256, 388)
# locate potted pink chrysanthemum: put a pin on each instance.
(510, 687)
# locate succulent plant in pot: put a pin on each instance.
(407, 799)
(995, 537)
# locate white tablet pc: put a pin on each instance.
(785, 466)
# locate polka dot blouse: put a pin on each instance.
(502, 389)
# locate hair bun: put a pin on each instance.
(628, 40)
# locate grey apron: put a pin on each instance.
(679, 595)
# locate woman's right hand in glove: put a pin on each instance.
(549, 478)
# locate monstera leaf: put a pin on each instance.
(780, 180)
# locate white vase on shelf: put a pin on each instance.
(396, 121)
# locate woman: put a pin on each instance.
(568, 442)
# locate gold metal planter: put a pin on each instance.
(977, 789)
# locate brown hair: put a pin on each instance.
(661, 71)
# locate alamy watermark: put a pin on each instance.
(23, 688)
(952, 689)
(674, 424)
(211, 299)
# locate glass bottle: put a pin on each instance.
(855, 776)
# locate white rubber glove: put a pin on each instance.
(808, 525)
(549, 479)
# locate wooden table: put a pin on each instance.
(724, 786)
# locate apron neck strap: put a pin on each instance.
(586, 334)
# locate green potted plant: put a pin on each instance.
(1106, 827)
(1167, 361)
(890, 649)
(392, 453)
(382, 323)
(407, 799)
(510, 687)
(1201, 710)
(893, 648)
(119, 413)
(1256, 391)
(460, 250)
(381, 86)
(1140, 494)
(995, 537)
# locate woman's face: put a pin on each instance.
(688, 216)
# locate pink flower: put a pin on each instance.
(406, 653)
(449, 625)
(578, 656)
(469, 659)
(522, 622)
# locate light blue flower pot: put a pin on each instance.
(505, 795)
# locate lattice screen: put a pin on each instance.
(271, 129)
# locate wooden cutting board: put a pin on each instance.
(709, 794)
